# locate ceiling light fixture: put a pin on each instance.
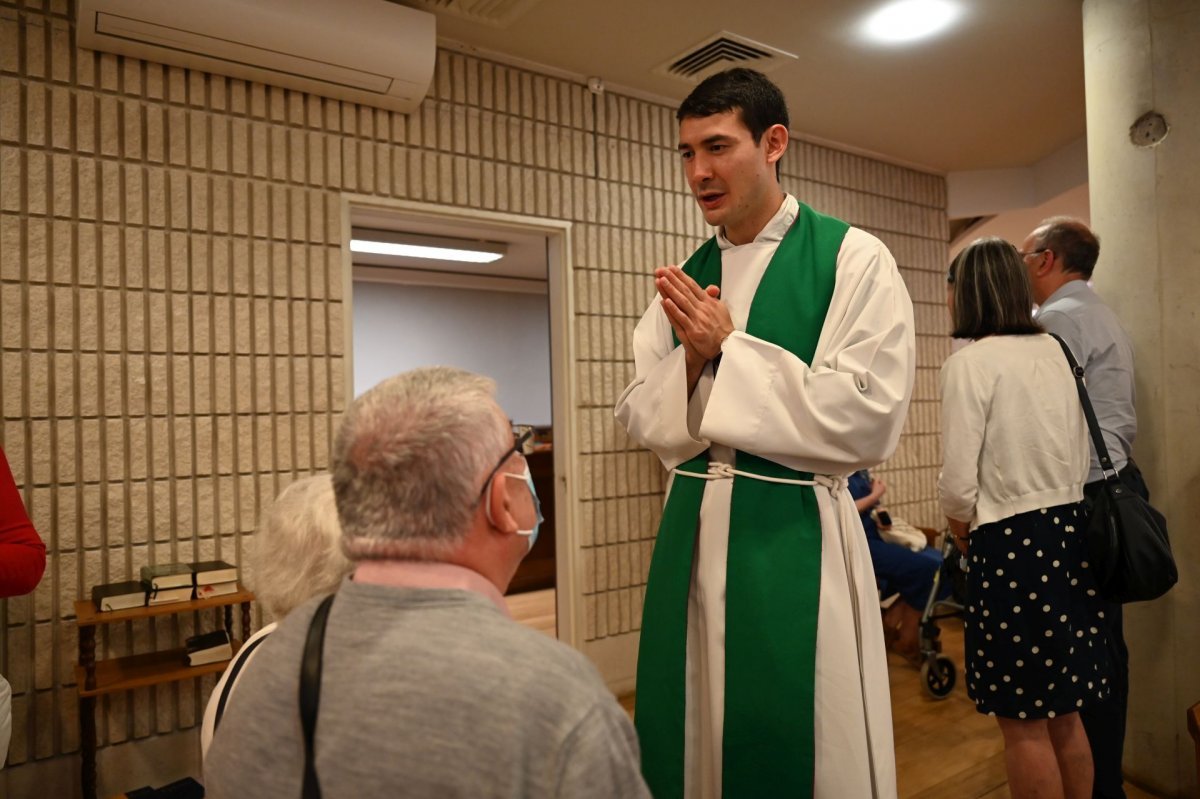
(412, 245)
(907, 21)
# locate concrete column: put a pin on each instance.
(1143, 56)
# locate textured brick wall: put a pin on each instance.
(172, 337)
(171, 314)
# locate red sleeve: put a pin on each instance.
(22, 553)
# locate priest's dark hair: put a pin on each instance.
(747, 91)
(991, 292)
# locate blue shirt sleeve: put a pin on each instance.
(859, 485)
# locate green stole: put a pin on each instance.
(773, 572)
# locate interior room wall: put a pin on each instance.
(501, 334)
(1015, 224)
(171, 320)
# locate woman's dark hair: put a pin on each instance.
(992, 295)
(758, 99)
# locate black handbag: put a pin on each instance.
(1127, 544)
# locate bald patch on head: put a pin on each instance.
(1072, 241)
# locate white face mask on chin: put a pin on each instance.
(537, 505)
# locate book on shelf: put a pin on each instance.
(216, 589)
(164, 596)
(213, 571)
(119, 596)
(168, 575)
(209, 648)
(186, 788)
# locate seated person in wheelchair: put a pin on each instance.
(899, 569)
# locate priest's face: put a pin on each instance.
(731, 175)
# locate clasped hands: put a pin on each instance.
(700, 319)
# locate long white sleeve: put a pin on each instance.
(655, 408)
(846, 411)
(964, 420)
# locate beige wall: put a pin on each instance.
(172, 319)
(1141, 56)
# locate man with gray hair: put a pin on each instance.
(1060, 255)
(426, 687)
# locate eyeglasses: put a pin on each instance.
(1038, 251)
(518, 444)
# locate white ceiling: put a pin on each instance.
(1003, 88)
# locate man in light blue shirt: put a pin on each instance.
(1060, 255)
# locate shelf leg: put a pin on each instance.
(87, 656)
(245, 621)
(87, 745)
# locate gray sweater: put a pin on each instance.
(425, 693)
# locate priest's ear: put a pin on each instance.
(775, 139)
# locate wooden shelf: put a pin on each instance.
(139, 671)
(114, 675)
(86, 614)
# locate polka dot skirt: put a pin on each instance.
(1035, 646)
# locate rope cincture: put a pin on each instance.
(718, 470)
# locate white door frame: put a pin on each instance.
(563, 384)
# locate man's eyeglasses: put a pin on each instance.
(518, 446)
(1038, 251)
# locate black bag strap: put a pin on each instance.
(242, 656)
(1088, 412)
(310, 694)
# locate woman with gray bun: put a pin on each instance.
(297, 556)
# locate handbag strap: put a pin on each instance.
(243, 655)
(1088, 412)
(310, 694)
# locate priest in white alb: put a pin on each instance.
(775, 362)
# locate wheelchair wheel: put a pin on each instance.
(939, 676)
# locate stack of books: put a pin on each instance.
(214, 578)
(119, 596)
(167, 582)
(209, 648)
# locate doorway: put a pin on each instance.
(502, 313)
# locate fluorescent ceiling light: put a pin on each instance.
(419, 251)
(412, 245)
(906, 21)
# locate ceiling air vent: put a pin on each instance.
(497, 13)
(723, 51)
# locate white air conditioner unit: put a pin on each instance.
(364, 51)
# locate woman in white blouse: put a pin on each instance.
(1015, 457)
